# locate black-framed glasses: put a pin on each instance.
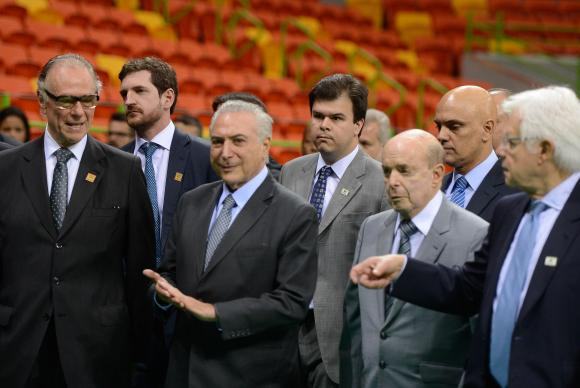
(88, 101)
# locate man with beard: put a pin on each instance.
(173, 162)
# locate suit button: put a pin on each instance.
(56, 280)
(58, 245)
(384, 335)
(382, 364)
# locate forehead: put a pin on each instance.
(370, 131)
(455, 108)
(230, 124)
(138, 78)
(512, 123)
(13, 121)
(72, 79)
(342, 105)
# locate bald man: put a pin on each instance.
(391, 343)
(466, 118)
(499, 96)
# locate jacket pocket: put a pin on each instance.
(440, 374)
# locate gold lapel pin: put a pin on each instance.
(551, 261)
(90, 177)
(178, 177)
(344, 192)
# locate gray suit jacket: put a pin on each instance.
(412, 347)
(360, 193)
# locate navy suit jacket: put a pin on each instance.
(491, 189)
(190, 158)
(546, 339)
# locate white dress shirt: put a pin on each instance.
(72, 166)
(473, 177)
(555, 199)
(338, 169)
(160, 161)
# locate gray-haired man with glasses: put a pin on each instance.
(75, 233)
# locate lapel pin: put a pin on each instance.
(551, 261)
(178, 177)
(90, 177)
(344, 192)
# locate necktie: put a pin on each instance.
(458, 192)
(219, 228)
(407, 228)
(508, 300)
(59, 189)
(148, 149)
(317, 198)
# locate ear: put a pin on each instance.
(488, 127)
(167, 98)
(438, 173)
(359, 126)
(547, 150)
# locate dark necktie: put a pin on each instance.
(407, 228)
(458, 192)
(148, 149)
(508, 301)
(317, 197)
(219, 228)
(59, 189)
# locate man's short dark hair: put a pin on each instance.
(332, 87)
(162, 74)
(242, 96)
(188, 120)
(118, 116)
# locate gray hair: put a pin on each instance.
(71, 59)
(263, 119)
(385, 131)
(550, 113)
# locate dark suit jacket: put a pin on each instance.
(87, 277)
(5, 146)
(491, 189)
(546, 341)
(189, 157)
(260, 279)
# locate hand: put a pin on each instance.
(377, 271)
(171, 294)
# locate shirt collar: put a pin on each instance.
(163, 138)
(340, 166)
(424, 219)
(557, 197)
(245, 192)
(50, 146)
(478, 173)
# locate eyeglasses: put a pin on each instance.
(68, 102)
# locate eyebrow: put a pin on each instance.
(332, 114)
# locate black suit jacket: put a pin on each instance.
(86, 278)
(546, 341)
(189, 167)
(491, 190)
(260, 279)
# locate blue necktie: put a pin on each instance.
(219, 228)
(458, 192)
(317, 197)
(508, 300)
(59, 188)
(148, 149)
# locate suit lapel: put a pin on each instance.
(91, 162)
(303, 185)
(487, 190)
(386, 246)
(565, 230)
(34, 181)
(175, 169)
(202, 234)
(347, 188)
(249, 215)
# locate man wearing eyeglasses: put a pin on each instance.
(524, 280)
(466, 118)
(76, 231)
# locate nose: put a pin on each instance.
(128, 98)
(325, 123)
(501, 149)
(226, 150)
(77, 109)
(393, 179)
(443, 134)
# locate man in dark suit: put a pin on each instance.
(524, 280)
(466, 118)
(75, 233)
(346, 186)
(240, 265)
(177, 164)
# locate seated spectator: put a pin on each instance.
(120, 133)
(14, 126)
